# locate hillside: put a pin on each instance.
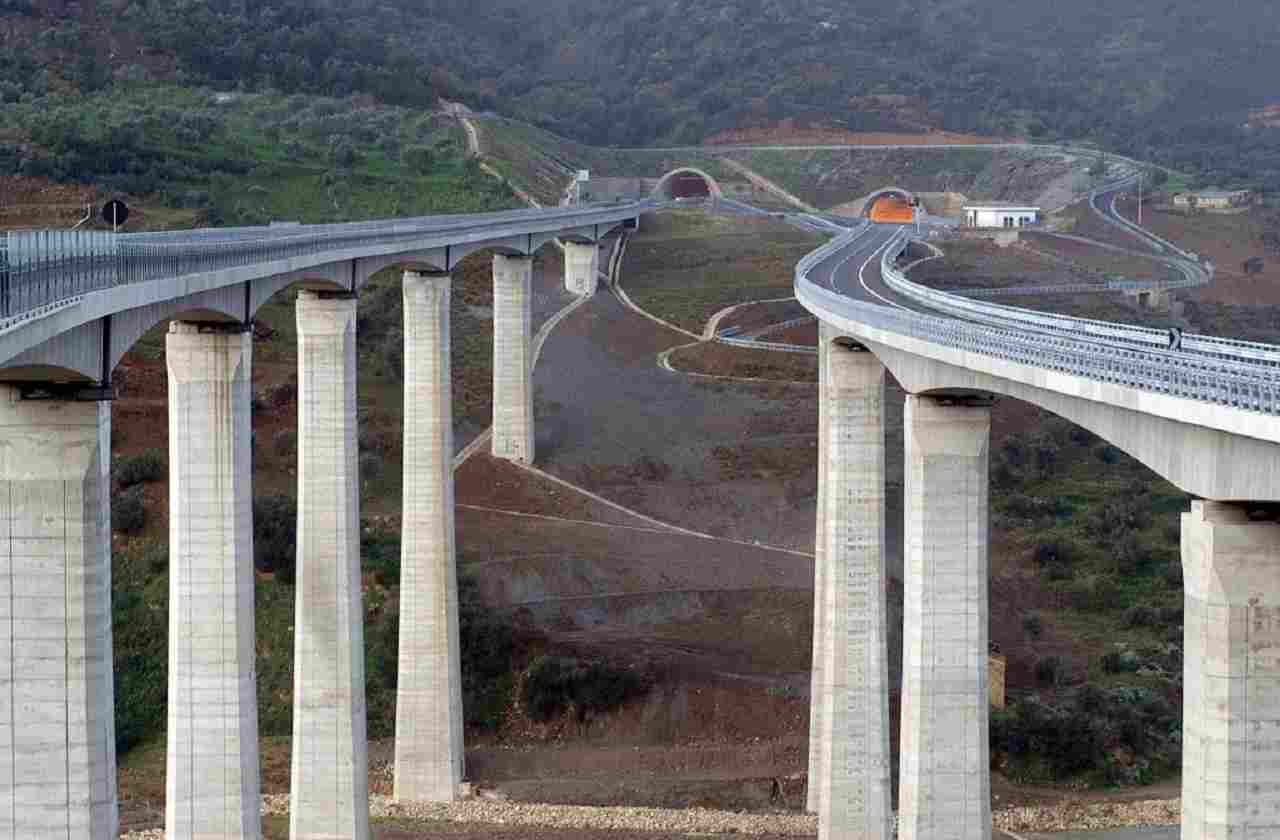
(1154, 78)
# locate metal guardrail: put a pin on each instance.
(1239, 382)
(1225, 349)
(40, 269)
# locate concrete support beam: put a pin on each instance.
(330, 772)
(813, 788)
(581, 268)
(513, 358)
(212, 769)
(854, 799)
(57, 733)
(429, 758)
(945, 787)
(1231, 682)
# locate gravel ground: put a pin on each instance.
(1030, 823)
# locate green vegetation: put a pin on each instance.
(554, 685)
(148, 466)
(1163, 80)
(140, 604)
(1102, 531)
(129, 511)
(1106, 736)
(685, 266)
(252, 158)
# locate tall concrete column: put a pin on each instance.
(1231, 682)
(213, 774)
(57, 733)
(429, 758)
(813, 789)
(330, 773)
(945, 789)
(581, 268)
(854, 800)
(513, 358)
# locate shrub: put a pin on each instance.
(554, 684)
(1121, 662)
(489, 645)
(129, 511)
(1052, 743)
(1033, 625)
(1054, 552)
(1094, 594)
(285, 442)
(281, 395)
(149, 466)
(275, 525)
(418, 158)
(1049, 671)
(1140, 615)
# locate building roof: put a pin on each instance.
(1218, 192)
(1010, 207)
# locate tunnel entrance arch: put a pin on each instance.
(891, 205)
(687, 182)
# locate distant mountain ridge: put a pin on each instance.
(1171, 79)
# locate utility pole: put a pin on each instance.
(1139, 198)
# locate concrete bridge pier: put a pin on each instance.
(212, 774)
(429, 757)
(813, 791)
(513, 358)
(57, 733)
(854, 798)
(581, 268)
(945, 782)
(330, 771)
(1231, 682)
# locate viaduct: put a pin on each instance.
(1205, 415)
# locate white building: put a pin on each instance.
(1000, 216)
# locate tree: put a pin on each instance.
(418, 158)
(343, 152)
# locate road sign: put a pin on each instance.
(584, 175)
(115, 213)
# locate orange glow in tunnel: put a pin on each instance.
(891, 210)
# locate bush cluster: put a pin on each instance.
(148, 466)
(129, 511)
(1117, 736)
(554, 685)
(275, 528)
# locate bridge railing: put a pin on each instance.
(1226, 349)
(1240, 382)
(1179, 375)
(40, 269)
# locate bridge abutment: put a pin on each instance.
(581, 268)
(330, 777)
(945, 782)
(1231, 681)
(57, 733)
(212, 760)
(854, 800)
(429, 745)
(513, 431)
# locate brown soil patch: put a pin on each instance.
(801, 335)
(1088, 262)
(789, 134)
(1228, 241)
(716, 359)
